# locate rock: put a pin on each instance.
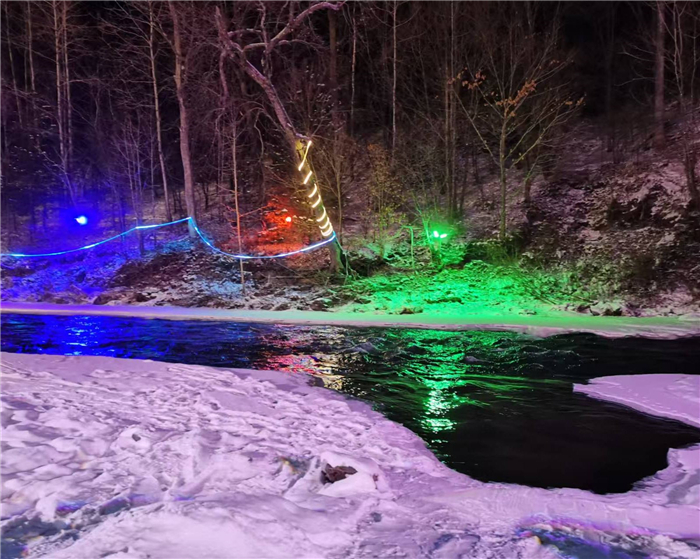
(281, 307)
(410, 310)
(445, 299)
(613, 311)
(320, 304)
(104, 298)
(80, 276)
(332, 474)
(606, 309)
(115, 505)
(18, 272)
(142, 298)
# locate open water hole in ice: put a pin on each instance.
(496, 406)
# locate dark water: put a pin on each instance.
(496, 406)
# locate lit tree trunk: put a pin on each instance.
(138, 186)
(659, 136)
(234, 149)
(336, 156)
(291, 136)
(66, 84)
(184, 125)
(234, 160)
(62, 145)
(156, 102)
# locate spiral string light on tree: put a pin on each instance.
(315, 198)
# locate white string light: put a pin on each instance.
(324, 221)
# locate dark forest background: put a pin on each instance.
(422, 114)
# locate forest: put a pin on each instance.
(350, 279)
(511, 155)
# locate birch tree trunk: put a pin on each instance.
(184, 125)
(156, 104)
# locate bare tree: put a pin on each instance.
(156, 107)
(264, 44)
(683, 57)
(520, 103)
(180, 77)
(659, 65)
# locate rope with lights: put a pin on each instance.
(315, 201)
(196, 228)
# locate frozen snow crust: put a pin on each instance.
(126, 458)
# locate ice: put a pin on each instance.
(666, 395)
(128, 458)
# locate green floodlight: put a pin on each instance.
(436, 234)
(443, 235)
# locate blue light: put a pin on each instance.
(199, 232)
(82, 220)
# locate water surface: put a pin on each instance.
(496, 406)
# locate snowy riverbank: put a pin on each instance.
(548, 324)
(132, 458)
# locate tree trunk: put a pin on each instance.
(66, 84)
(30, 46)
(234, 149)
(659, 136)
(335, 117)
(288, 129)
(502, 177)
(156, 101)
(453, 132)
(12, 67)
(184, 125)
(393, 93)
(61, 117)
(352, 79)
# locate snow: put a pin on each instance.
(550, 324)
(672, 396)
(133, 459)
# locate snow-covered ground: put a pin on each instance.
(118, 458)
(672, 396)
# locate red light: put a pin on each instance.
(288, 219)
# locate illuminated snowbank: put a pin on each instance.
(127, 458)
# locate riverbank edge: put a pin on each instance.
(553, 323)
